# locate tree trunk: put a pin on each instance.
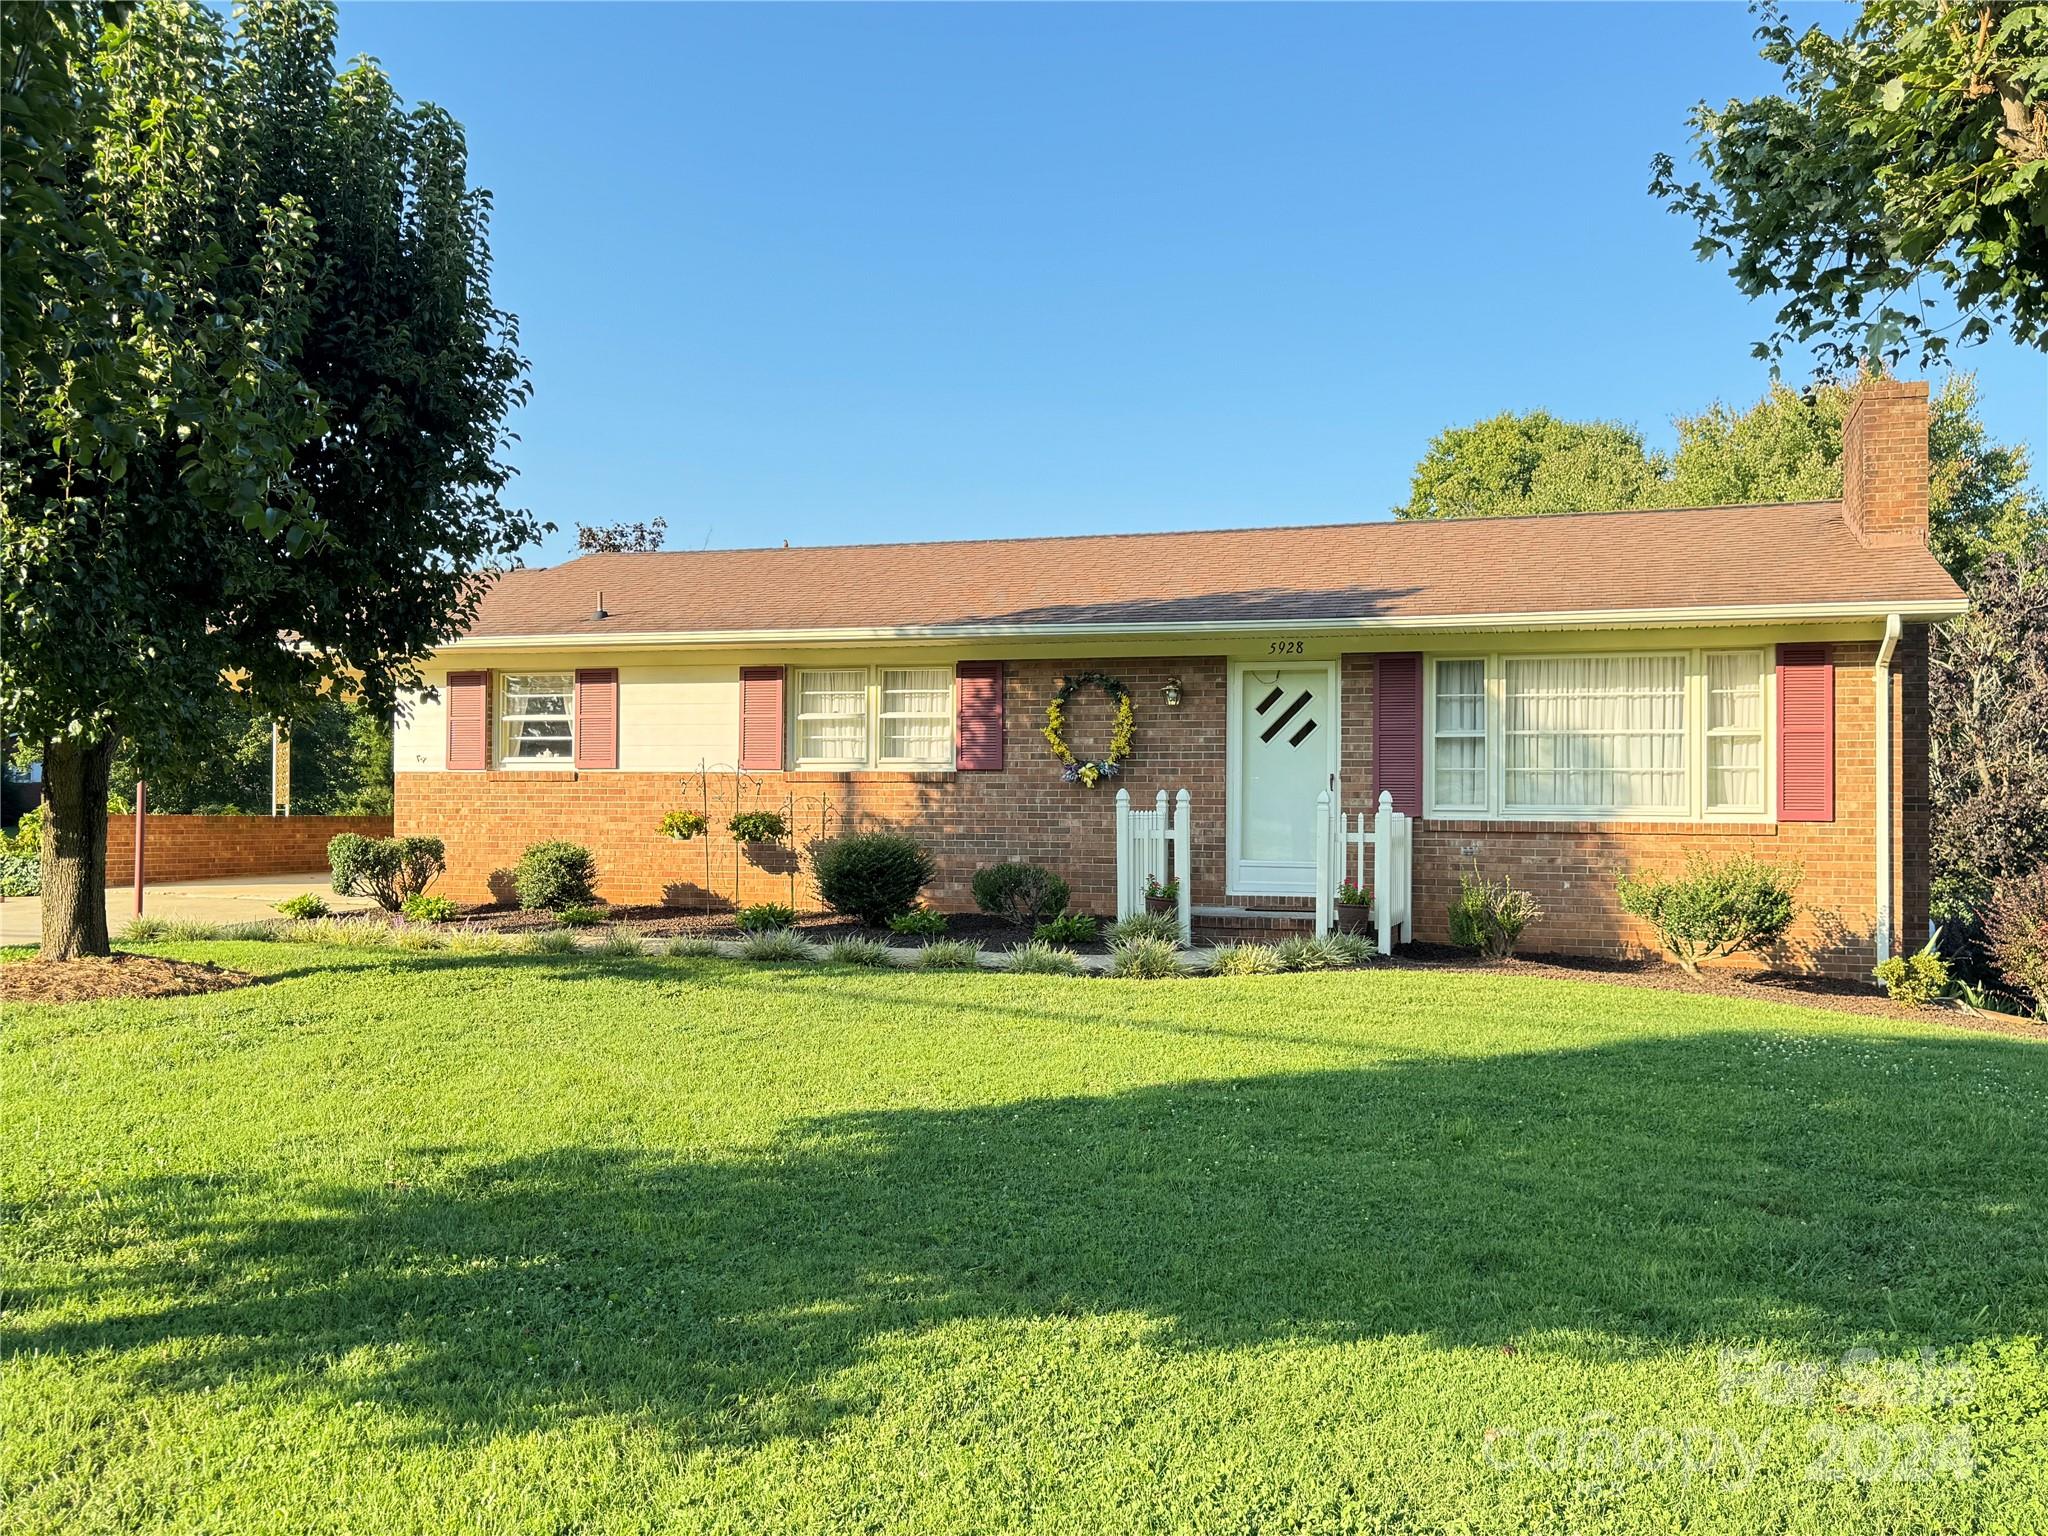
(74, 852)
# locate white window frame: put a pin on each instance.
(797, 718)
(871, 757)
(501, 717)
(1767, 703)
(948, 717)
(1486, 735)
(1695, 809)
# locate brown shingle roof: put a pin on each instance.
(1796, 555)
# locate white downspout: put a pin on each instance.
(1893, 625)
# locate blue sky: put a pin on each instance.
(843, 273)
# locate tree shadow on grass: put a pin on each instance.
(1653, 1195)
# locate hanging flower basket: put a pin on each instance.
(758, 827)
(1122, 733)
(683, 825)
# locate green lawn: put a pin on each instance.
(403, 1242)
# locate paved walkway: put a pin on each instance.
(241, 899)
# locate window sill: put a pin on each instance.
(530, 775)
(1497, 826)
(868, 775)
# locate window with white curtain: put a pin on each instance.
(1458, 744)
(917, 715)
(1735, 730)
(1594, 734)
(832, 715)
(536, 715)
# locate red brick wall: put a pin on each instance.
(1027, 812)
(212, 847)
(968, 820)
(1884, 463)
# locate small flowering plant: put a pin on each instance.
(683, 825)
(1352, 894)
(1162, 890)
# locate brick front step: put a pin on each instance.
(1261, 924)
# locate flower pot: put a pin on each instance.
(1354, 919)
(1168, 905)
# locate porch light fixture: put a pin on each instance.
(1172, 692)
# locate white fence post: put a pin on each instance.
(1383, 896)
(1325, 839)
(1404, 871)
(1181, 871)
(1123, 854)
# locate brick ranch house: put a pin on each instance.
(1554, 698)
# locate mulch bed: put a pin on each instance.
(1761, 986)
(658, 922)
(94, 977)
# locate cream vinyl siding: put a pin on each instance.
(1672, 735)
(674, 718)
(419, 731)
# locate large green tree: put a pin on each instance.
(1904, 162)
(1786, 446)
(275, 454)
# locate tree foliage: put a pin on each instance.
(255, 394)
(1988, 698)
(621, 538)
(1909, 153)
(1786, 446)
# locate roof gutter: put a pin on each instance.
(1931, 611)
(1881, 674)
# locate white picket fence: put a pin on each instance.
(1153, 845)
(1342, 844)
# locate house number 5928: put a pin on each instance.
(1284, 648)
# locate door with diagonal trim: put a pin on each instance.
(1283, 754)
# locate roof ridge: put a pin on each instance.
(1196, 533)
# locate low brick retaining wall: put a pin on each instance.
(179, 848)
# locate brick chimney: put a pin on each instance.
(1884, 464)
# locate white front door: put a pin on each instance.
(1283, 753)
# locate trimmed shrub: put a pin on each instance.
(2016, 930)
(1717, 907)
(863, 952)
(621, 943)
(1488, 916)
(306, 905)
(1245, 960)
(763, 916)
(555, 941)
(1917, 978)
(551, 876)
(1019, 893)
(919, 923)
(694, 947)
(420, 908)
(758, 827)
(21, 874)
(1066, 927)
(387, 869)
(1041, 959)
(1162, 926)
(776, 946)
(1145, 959)
(580, 917)
(949, 955)
(874, 876)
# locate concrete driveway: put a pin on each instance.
(240, 899)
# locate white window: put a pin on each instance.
(917, 715)
(536, 714)
(1594, 734)
(1459, 735)
(1735, 731)
(832, 716)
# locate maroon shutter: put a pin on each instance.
(1397, 731)
(761, 718)
(979, 747)
(1806, 733)
(469, 719)
(597, 717)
